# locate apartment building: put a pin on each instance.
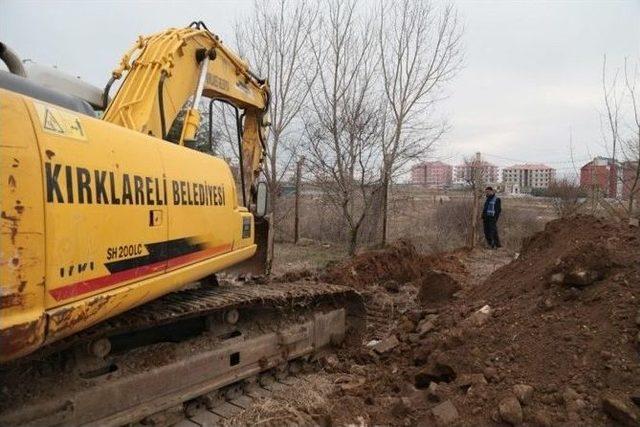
(488, 172)
(604, 174)
(526, 177)
(432, 174)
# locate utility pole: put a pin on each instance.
(296, 224)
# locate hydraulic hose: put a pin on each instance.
(105, 93)
(12, 60)
(163, 123)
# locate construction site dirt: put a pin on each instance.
(548, 335)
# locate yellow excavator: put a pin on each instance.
(103, 219)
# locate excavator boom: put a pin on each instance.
(171, 70)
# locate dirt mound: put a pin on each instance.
(399, 262)
(564, 319)
(436, 287)
(553, 338)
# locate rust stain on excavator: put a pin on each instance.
(14, 220)
(19, 339)
(68, 317)
(11, 300)
(12, 182)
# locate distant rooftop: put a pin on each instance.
(470, 163)
(529, 166)
(433, 163)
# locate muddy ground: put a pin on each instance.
(548, 335)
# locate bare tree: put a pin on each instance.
(631, 145)
(275, 40)
(565, 195)
(474, 174)
(343, 125)
(612, 106)
(420, 49)
(622, 113)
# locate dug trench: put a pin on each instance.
(546, 336)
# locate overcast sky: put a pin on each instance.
(532, 69)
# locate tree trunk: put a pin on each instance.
(296, 223)
(385, 200)
(473, 237)
(353, 240)
(273, 201)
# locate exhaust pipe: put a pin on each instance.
(14, 64)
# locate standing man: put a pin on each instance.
(490, 215)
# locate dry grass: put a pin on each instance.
(307, 256)
(300, 405)
(432, 224)
(435, 226)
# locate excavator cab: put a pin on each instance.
(256, 201)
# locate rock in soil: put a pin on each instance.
(432, 392)
(491, 374)
(523, 392)
(434, 372)
(582, 277)
(386, 345)
(424, 327)
(465, 381)
(445, 413)
(479, 317)
(510, 410)
(620, 411)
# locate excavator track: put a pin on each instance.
(184, 346)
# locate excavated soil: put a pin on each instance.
(399, 262)
(551, 338)
(563, 318)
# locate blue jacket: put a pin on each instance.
(492, 207)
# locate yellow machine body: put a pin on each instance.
(97, 219)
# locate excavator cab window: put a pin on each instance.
(212, 132)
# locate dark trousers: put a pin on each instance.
(491, 232)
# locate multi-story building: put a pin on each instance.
(527, 177)
(488, 172)
(602, 173)
(432, 174)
